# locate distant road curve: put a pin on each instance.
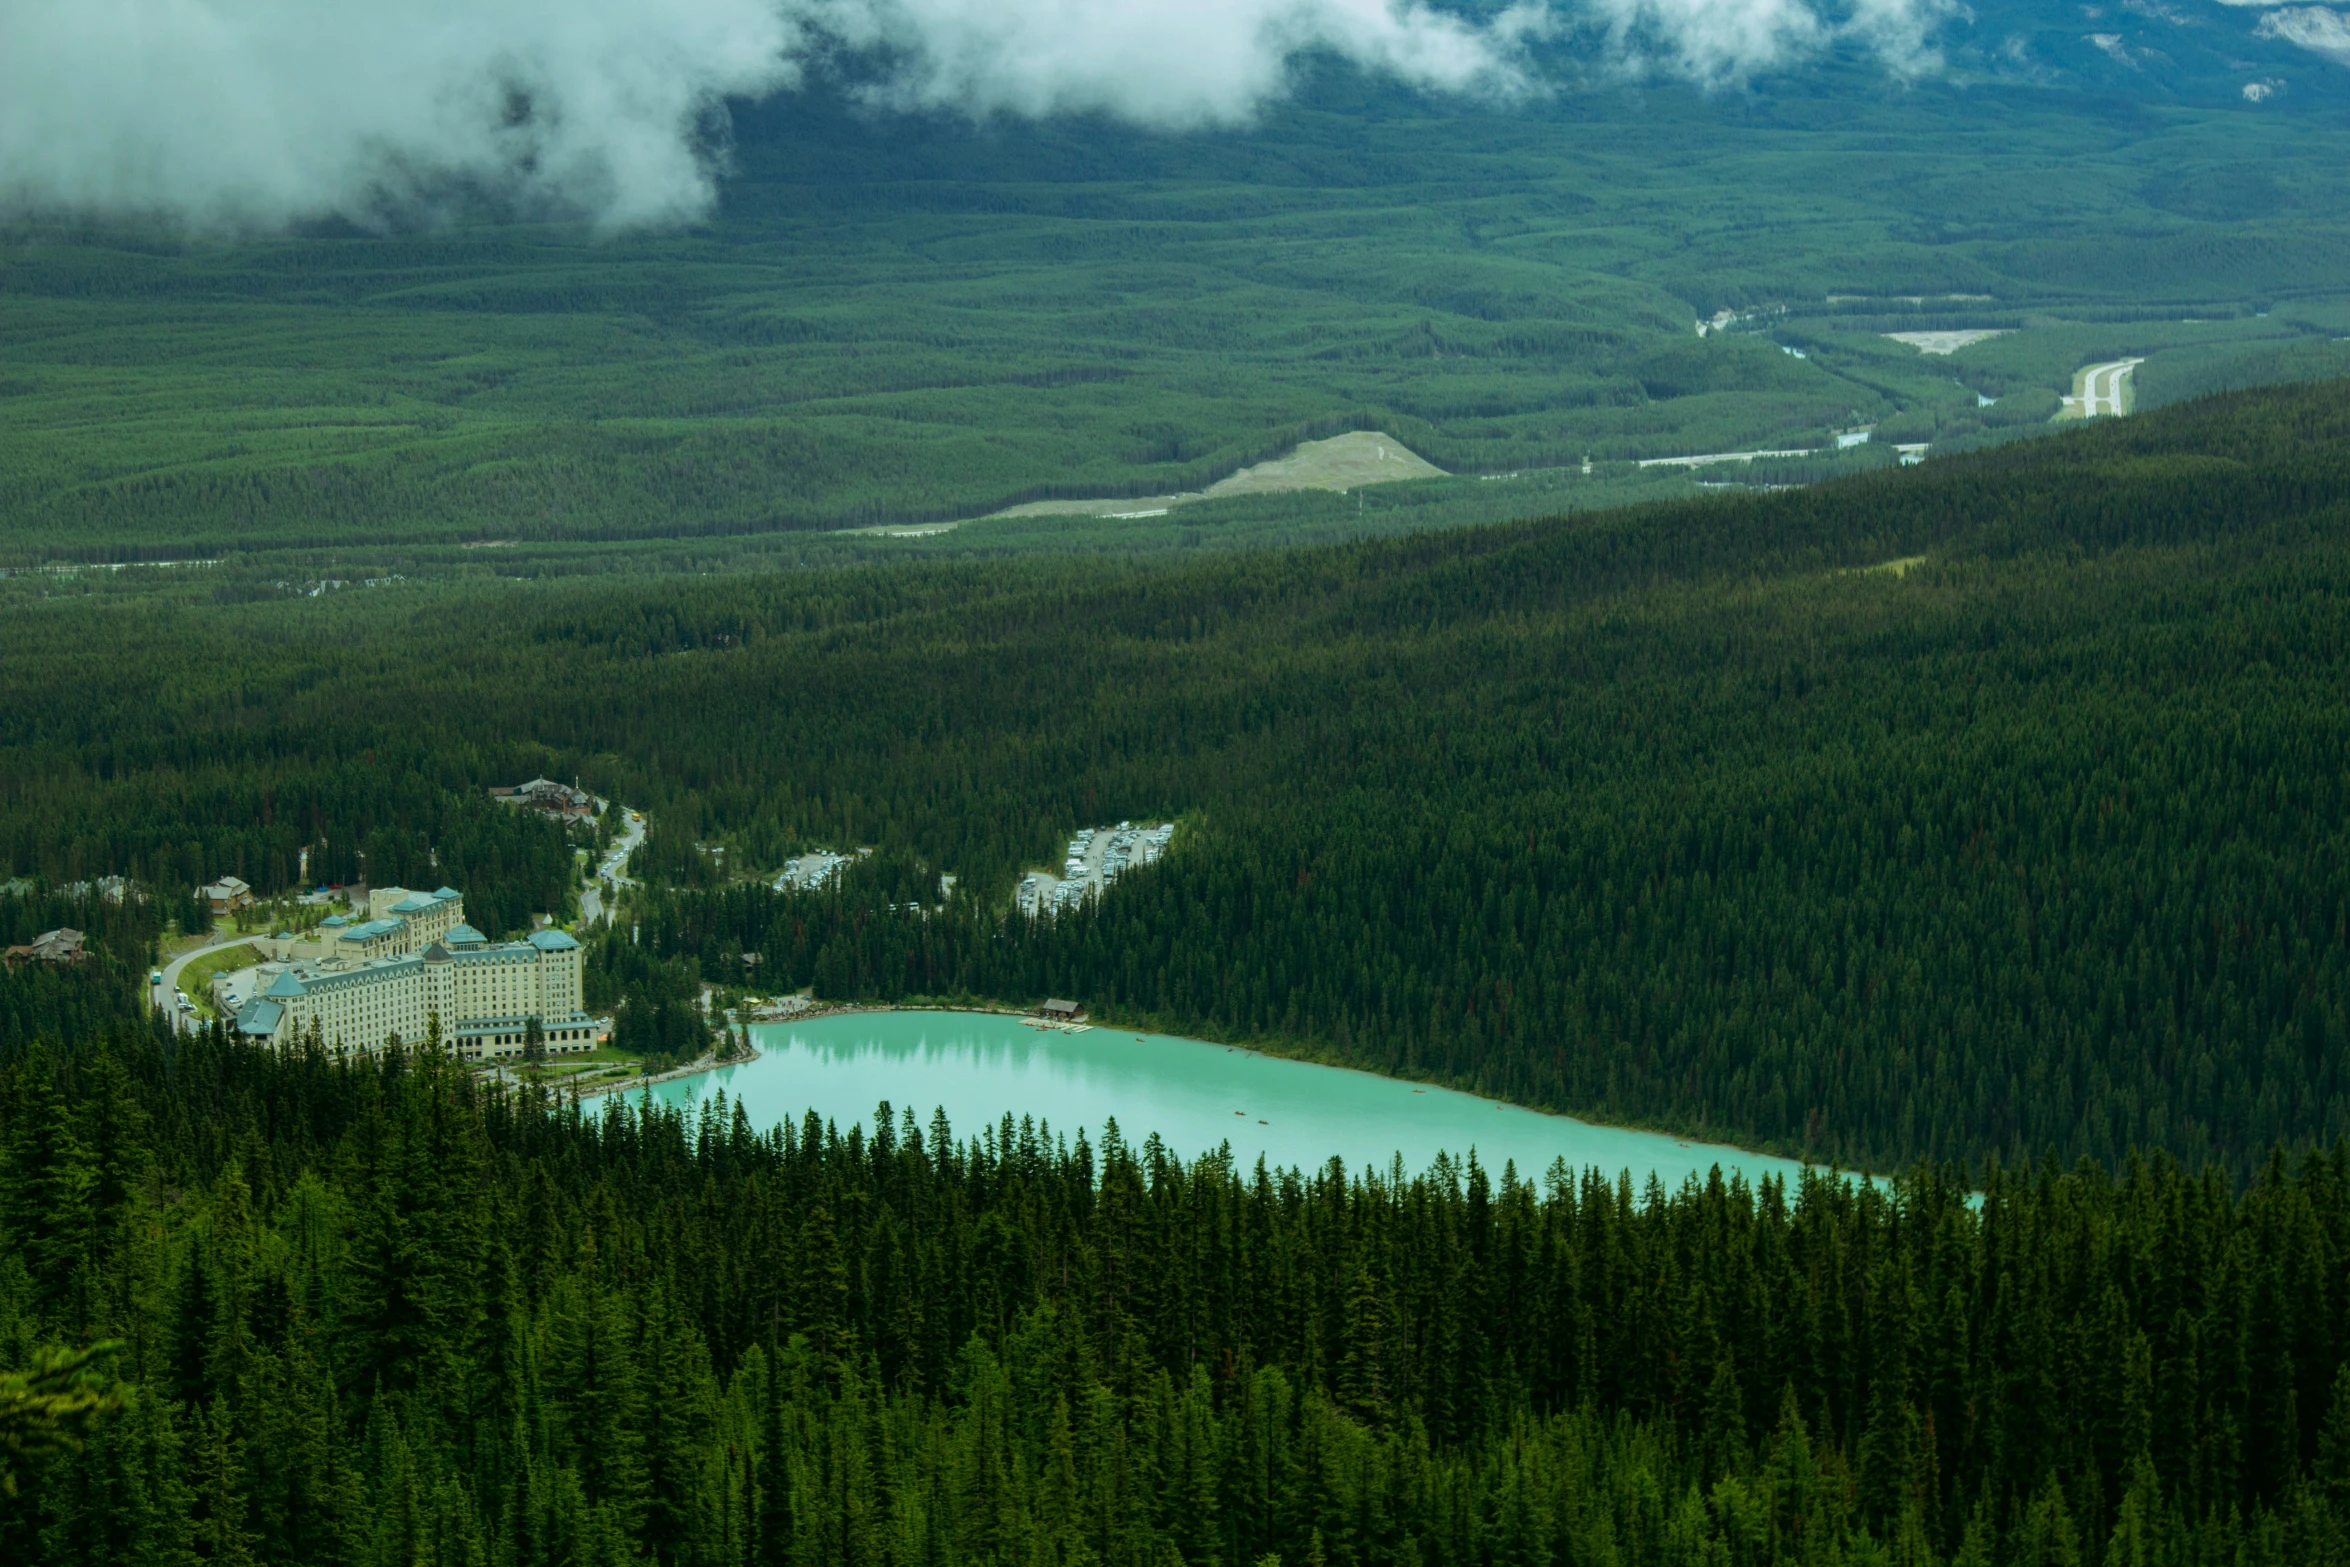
(613, 866)
(1702, 458)
(2102, 388)
(164, 995)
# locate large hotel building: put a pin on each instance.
(414, 960)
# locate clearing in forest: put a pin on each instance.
(1344, 462)
(1946, 342)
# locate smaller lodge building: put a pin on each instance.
(63, 945)
(564, 802)
(227, 895)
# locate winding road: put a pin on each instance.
(613, 868)
(163, 994)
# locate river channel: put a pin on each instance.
(1196, 1096)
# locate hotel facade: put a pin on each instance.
(416, 962)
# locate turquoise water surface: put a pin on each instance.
(1196, 1096)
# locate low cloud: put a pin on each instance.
(261, 111)
(1707, 40)
(2313, 28)
(255, 113)
(1164, 63)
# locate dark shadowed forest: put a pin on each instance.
(372, 1314)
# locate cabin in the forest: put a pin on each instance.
(51, 946)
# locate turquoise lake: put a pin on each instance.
(1196, 1096)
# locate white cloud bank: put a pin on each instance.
(260, 112)
(2313, 28)
(1165, 63)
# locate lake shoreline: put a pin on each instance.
(710, 1062)
(1386, 1099)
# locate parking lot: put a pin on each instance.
(1096, 857)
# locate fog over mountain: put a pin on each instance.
(245, 113)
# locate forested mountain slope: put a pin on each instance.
(1686, 815)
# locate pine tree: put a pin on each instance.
(1723, 1438)
(1362, 1360)
(2332, 1471)
(229, 1261)
(217, 1495)
(2046, 1537)
(595, 1364)
(45, 1181)
(114, 1131)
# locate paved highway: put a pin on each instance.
(2102, 387)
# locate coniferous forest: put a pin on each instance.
(1992, 806)
(371, 1314)
(1981, 825)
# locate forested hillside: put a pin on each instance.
(1690, 815)
(369, 1314)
